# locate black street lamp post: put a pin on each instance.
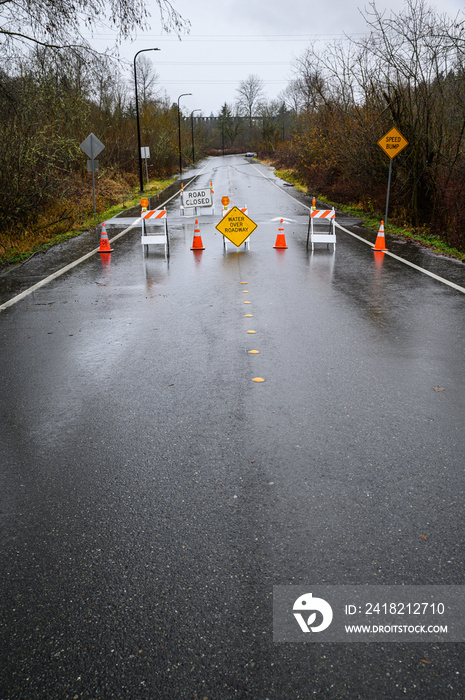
(179, 133)
(137, 119)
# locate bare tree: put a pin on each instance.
(308, 89)
(273, 114)
(250, 93)
(147, 78)
(411, 57)
(292, 96)
(110, 92)
(60, 23)
(407, 71)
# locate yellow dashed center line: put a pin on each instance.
(257, 380)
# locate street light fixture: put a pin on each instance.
(192, 128)
(179, 133)
(137, 118)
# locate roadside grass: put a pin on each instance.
(68, 218)
(372, 220)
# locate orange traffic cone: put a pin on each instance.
(211, 186)
(380, 243)
(197, 242)
(280, 238)
(104, 242)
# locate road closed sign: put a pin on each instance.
(393, 142)
(236, 226)
(197, 198)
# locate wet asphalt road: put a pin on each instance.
(152, 494)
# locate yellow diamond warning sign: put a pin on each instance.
(236, 226)
(393, 142)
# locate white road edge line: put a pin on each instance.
(62, 270)
(396, 257)
(407, 262)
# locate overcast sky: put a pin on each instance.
(231, 39)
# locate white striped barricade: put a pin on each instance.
(154, 217)
(330, 237)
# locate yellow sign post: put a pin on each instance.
(392, 144)
(236, 226)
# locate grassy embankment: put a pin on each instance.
(371, 219)
(72, 215)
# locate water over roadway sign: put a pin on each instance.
(236, 226)
(197, 198)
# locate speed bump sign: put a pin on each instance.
(236, 226)
(393, 143)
